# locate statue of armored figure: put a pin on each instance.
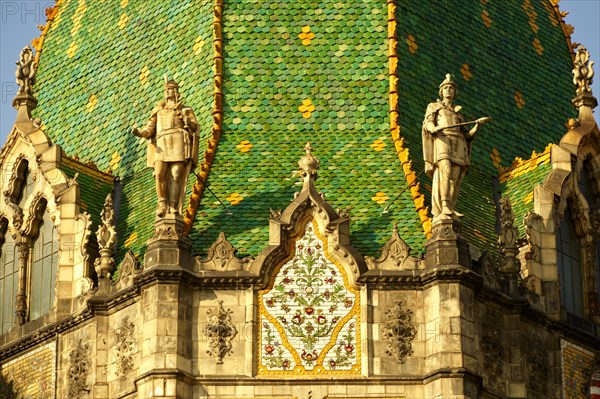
(447, 150)
(172, 134)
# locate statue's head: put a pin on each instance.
(171, 90)
(448, 88)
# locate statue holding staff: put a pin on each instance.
(447, 149)
(172, 134)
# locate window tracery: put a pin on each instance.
(29, 258)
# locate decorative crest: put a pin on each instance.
(399, 332)
(309, 165)
(583, 71)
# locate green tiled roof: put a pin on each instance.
(94, 186)
(297, 72)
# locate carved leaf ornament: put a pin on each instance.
(309, 314)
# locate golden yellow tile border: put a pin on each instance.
(213, 141)
(401, 150)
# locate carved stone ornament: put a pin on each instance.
(583, 71)
(107, 237)
(595, 222)
(489, 271)
(491, 342)
(129, 268)
(125, 347)
(25, 72)
(538, 369)
(79, 370)
(399, 332)
(533, 225)
(221, 257)
(220, 331)
(395, 255)
(309, 165)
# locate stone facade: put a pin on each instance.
(309, 316)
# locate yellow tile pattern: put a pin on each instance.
(380, 198)
(528, 198)
(92, 103)
(538, 46)
(132, 238)
(115, 160)
(306, 35)
(244, 146)
(124, 3)
(487, 20)
(377, 145)
(235, 198)
(32, 375)
(531, 15)
(198, 45)
(144, 73)
(519, 99)
(466, 71)
(307, 108)
(412, 44)
(123, 21)
(496, 159)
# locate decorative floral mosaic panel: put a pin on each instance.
(577, 369)
(309, 314)
(32, 375)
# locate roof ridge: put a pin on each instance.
(89, 169)
(38, 42)
(401, 150)
(211, 147)
(520, 166)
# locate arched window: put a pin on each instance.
(9, 277)
(568, 249)
(44, 262)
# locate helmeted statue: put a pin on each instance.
(447, 149)
(172, 134)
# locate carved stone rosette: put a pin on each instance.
(399, 332)
(79, 370)
(220, 332)
(125, 347)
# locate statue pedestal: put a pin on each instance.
(169, 247)
(446, 247)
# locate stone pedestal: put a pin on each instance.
(168, 246)
(446, 247)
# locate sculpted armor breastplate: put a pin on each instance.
(446, 117)
(169, 120)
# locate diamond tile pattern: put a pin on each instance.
(91, 94)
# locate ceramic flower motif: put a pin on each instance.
(309, 299)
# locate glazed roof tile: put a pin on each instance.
(101, 71)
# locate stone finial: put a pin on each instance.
(107, 237)
(24, 101)
(583, 72)
(508, 243)
(309, 165)
(25, 72)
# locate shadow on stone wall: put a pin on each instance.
(7, 389)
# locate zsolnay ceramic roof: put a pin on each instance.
(294, 72)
